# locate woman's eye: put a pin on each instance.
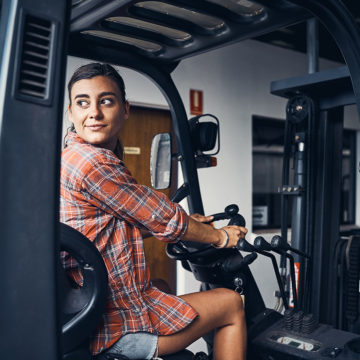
(82, 103)
(107, 101)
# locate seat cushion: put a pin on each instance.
(182, 355)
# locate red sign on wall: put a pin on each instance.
(196, 102)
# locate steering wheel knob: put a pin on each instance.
(232, 210)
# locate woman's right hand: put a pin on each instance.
(230, 236)
(207, 234)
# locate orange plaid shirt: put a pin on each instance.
(100, 198)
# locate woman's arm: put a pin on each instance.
(112, 188)
(204, 233)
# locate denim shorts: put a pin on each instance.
(134, 346)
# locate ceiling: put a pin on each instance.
(294, 37)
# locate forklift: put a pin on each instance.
(152, 38)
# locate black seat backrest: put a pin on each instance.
(82, 307)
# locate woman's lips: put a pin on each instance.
(95, 127)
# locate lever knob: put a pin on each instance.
(237, 220)
(232, 210)
(248, 259)
(233, 264)
(261, 244)
(279, 243)
(243, 245)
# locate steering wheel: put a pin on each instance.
(81, 308)
(179, 251)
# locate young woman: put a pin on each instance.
(101, 199)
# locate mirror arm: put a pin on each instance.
(181, 193)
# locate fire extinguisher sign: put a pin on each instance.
(196, 102)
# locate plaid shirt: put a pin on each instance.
(100, 198)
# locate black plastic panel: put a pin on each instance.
(209, 23)
(30, 137)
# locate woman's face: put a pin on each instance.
(97, 111)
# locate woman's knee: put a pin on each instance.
(230, 300)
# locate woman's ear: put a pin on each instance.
(70, 114)
(126, 110)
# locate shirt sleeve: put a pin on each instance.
(111, 187)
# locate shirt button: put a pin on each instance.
(153, 216)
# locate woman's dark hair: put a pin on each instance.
(96, 69)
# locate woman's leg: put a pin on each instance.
(219, 309)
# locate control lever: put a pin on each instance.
(232, 265)
(237, 220)
(277, 242)
(229, 212)
(261, 244)
(243, 245)
(181, 193)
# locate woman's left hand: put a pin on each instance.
(201, 218)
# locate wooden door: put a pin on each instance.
(136, 137)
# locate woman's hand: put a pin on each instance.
(230, 235)
(207, 234)
(201, 218)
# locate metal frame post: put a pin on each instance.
(326, 220)
(30, 131)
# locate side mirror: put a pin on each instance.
(160, 161)
(205, 135)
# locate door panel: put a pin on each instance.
(136, 137)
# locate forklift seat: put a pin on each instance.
(82, 307)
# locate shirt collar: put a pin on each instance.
(72, 137)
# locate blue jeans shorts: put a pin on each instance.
(134, 346)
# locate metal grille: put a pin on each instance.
(35, 57)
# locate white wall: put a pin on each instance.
(236, 84)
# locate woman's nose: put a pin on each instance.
(95, 112)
